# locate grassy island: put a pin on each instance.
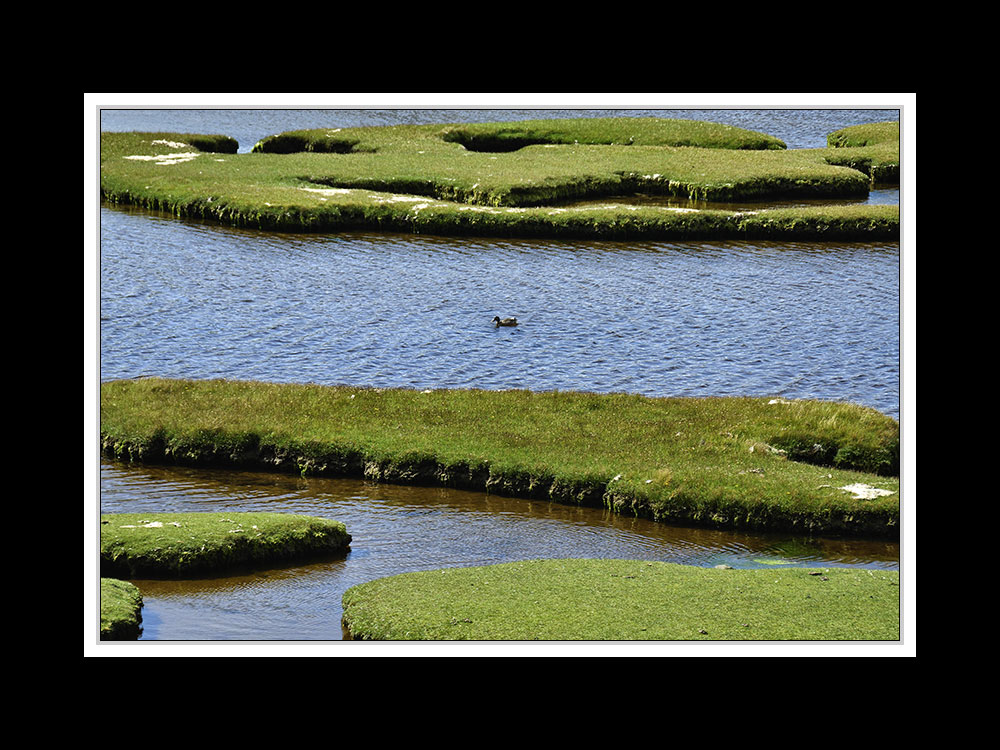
(619, 600)
(511, 179)
(743, 463)
(179, 545)
(121, 610)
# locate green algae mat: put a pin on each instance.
(625, 600)
(740, 463)
(510, 179)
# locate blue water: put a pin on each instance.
(663, 319)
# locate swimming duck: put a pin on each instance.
(505, 321)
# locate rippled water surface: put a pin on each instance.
(183, 299)
(810, 320)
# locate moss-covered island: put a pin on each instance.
(184, 545)
(513, 179)
(625, 600)
(809, 467)
(121, 610)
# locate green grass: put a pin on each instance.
(121, 610)
(612, 600)
(177, 545)
(872, 149)
(503, 137)
(725, 462)
(871, 134)
(437, 179)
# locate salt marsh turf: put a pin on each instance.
(742, 463)
(446, 180)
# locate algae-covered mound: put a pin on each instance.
(121, 610)
(176, 545)
(619, 600)
(505, 179)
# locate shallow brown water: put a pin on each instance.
(398, 529)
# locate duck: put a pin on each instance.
(498, 321)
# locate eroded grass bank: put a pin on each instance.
(747, 463)
(508, 179)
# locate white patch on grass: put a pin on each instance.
(166, 159)
(866, 491)
(398, 199)
(328, 191)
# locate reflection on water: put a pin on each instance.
(398, 529)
